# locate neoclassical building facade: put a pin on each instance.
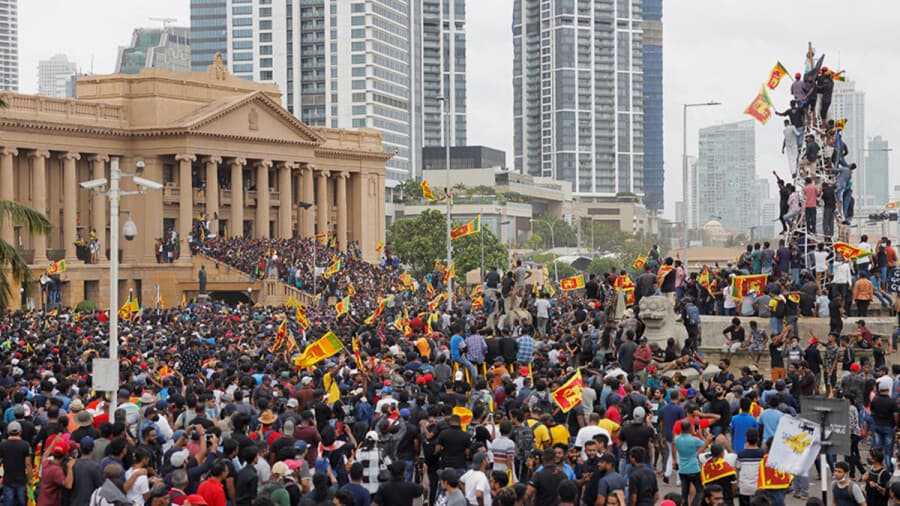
(223, 147)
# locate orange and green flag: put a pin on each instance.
(57, 267)
(851, 252)
(333, 269)
(761, 107)
(450, 272)
(300, 316)
(704, 278)
(326, 346)
(741, 285)
(343, 306)
(426, 190)
(639, 262)
(572, 283)
(378, 310)
(775, 76)
(472, 227)
(568, 395)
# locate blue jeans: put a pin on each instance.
(729, 311)
(14, 495)
(884, 278)
(884, 437)
(801, 485)
(473, 373)
(776, 326)
(795, 274)
(410, 468)
(777, 496)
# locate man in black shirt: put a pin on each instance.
(592, 288)
(885, 414)
(396, 491)
(590, 473)
(644, 285)
(452, 444)
(636, 433)
(544, 485)
(642, 480)
(15, 454)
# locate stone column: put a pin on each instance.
(341, 203)
(323, 206)
(185, 204)
(70, 203)
(307, 228)
(236, 223)
(286, 197)
(39, 201)
(212, 192)
(7, 192)
(99, 213)
(262, 198)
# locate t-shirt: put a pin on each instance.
(475, 481)
(399, 493)
(14, 452)
(821, 260)
(636, 435)
(748, 463)
(87, 477)
(883, 409)
(455, 498)
(140, 487)
(542, 307)
(687, 446)
(520, 276)
(502, 447)
(670, 413)
(696, 425)
(546, 484)
(642, 481)
(610, 482)
(735, 334)
(769, 419)
(739, 426)
(453, 443)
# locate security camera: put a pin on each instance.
(139, 166)
(129, 229)
(146, 183)
(93, 184)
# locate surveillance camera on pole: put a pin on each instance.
(93, 184)
(146, 183)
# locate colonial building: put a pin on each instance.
(223, 147)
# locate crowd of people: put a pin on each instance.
(444, 407)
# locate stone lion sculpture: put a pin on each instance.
(658, 316)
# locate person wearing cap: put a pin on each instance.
(885, 414)
(86, 473)
(862, 336)
(373, 460)
(396, 491)
(53, 476)
(274, 489)
(16, 456)
(475, 482)
(636, 433)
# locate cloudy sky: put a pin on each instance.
(714, 50)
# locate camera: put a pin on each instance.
(129, 229)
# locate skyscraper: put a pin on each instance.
(168, 47)
(878, 171)
(849, 103)
(654, 181)
(578, 94)
(55, 75)
(726, 171)
(9, 45)
(377, 64)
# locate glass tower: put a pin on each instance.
(726, 170)
(9, 45)
(654, 187)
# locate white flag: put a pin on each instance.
(795, 445)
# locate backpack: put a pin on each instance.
(626, 407)
(542, 402)
(524, 436)
(693, 314)
(268, 489)
(779, 310)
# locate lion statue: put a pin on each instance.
(658, 316)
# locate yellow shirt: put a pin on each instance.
(609, 425)
(541, 434)
(559, 434)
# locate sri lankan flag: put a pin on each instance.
(351, 290)
(639, 262)
(327, 346)
(408, 281)
(624, 284)
(741, 285)
(333, 269)
(472, 227)
(716, 469)
(354, 342)
(851, 252)
(433, 305)
(280, 337)
(772, 479)
(183, 301)
(57, 267)
(125, 310)
(300, 316)
(450, 273)
(343, 306)
(478, 303)
(380, 309)
(291, 302)
(761, 107)
(322, 238)
(775, 76)
(568, 395)
(572, 283)
(479, 288)
(704, 278)
(426, 191)
(429, 289)
(661, 274)
(379, 246)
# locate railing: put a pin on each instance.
(68, 107)
(276, 293)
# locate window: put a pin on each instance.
(359, 109)
(265, 75)
(359, 84)
(242, 44)
(358, 33)
(359, 71)
(265, 50)
(242, 56)
(265, 37)
(242, 21)
(242, 34)
(265, 63)
(243, 67)
(358, 20)
(265, 24)
(358, 46)
(241, 9)
(358, 8)
(265, 12)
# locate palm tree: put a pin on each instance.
(10, 259)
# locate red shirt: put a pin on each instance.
(811, 192)
(702, 422)
(52, 479)
(212, 491)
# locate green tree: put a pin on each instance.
(467, 253)
(632, 249)
(565, 270)
(555, 231)
(10, 260)
(601, 266)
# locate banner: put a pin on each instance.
(472, 227)
(761, 106)
(741, 285)
(342, 306)
(624, 284)
(568, 395)
(704, 279)
(795, 445)
(851, 252)
(639, 262)
(778, 72)
(125, 310)
(426, 190)
(714, 470)
(57, 267)
(772, 479)
(571, 283)
(326, 346)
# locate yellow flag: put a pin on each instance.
(351, 290)
(300, 316)
(343, 306)
(326, 346)
(568, 395)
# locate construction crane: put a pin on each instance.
(165, 21)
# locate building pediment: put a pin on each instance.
(251, 116)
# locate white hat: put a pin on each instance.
(372, 436)
(458, 376)
(885, 383)
(179, 458)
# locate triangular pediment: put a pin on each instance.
(251, 116)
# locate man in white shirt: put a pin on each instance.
(542, 306)
(862, 264)
(821, 267)
(137, 485)
(588, 432)
(475, 482)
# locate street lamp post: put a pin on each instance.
(550, 225)
(130, 231)
(445, 110)
(686, 190)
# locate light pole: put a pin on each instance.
(445, 106)
(550, 225)
(686, 190)
(130, 231)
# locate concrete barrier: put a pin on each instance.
(712, 327)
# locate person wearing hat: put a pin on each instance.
(451, 494)
(16, 456)
(53, 476)
(373, 460)
(86, 473)
(396, 491)
(84, 422)
(275, 489)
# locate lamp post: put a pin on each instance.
(686, 191)
(130, 231)
(550, 225)
(445, 110)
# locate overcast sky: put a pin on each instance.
(713, 50)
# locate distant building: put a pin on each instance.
(55, 76)
(167, 48)
(877, 174)
(726, 171)
(9, 45)
(654, 174)
(849, 103)
(463, 157)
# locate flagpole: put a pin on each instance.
(445, 109)
(481, 226)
